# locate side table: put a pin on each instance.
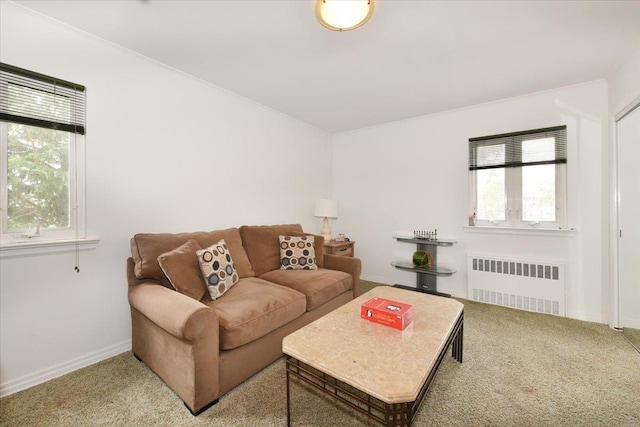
(340, 248)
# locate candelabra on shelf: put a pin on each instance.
(425, 235)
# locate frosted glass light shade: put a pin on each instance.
(343, 15)
(325, 208)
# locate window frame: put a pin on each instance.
(514, 189)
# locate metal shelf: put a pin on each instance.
(439, 242)
(426, 276)
(437, 270)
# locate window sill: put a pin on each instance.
(33, 248)
(547, 232)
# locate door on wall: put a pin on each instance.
(628, 133)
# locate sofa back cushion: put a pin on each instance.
(263, 245)
(147, 247)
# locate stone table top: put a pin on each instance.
(386, 363)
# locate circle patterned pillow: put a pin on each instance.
(217, 269)
(297, 253)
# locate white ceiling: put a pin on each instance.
(412, 58)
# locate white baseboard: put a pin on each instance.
(47, 374)
(630, 322)
(587, 317)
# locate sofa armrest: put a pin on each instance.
(350, 265)
(178, 338)
(179, 315)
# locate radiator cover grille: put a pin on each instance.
(531, 285)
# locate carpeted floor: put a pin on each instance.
(520, 369)
(633, 335)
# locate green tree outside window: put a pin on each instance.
(37, 177)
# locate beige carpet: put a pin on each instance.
(633, 335)
(520, 369)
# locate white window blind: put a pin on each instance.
(526, 148)
(35, 99)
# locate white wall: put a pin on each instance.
(413, 175)
(165, 153)
(624, 84)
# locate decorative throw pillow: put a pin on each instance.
(297, 253)
(181, 267)
(318, 246)
(217, 269)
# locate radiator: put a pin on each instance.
(531, 285)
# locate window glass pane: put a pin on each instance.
(490, 154)
(538, 150)
(38, 179)
(539, 193)
(492, 200)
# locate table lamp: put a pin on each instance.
(326, 209)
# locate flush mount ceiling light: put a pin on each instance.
(343, 15)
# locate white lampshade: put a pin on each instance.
(343, 15)
(326, 208)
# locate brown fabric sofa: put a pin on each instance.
(202, 348)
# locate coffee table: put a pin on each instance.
(379, 371)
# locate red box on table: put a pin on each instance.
(398, 315)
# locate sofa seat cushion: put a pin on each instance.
(254, 307)
(318, 286)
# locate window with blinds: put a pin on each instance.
(42, 128)
(518, 179)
